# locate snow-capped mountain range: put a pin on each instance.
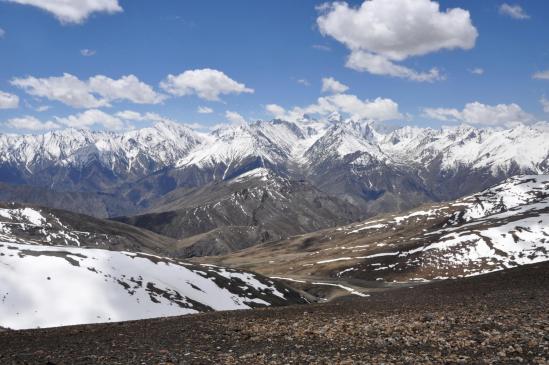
(167, 144)
(369, 166)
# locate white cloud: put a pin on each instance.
(90, 118)
(204, 110)
(482, 114)
(73, 11)
(276, 110)
(30, 123)
(331, 85)
(379, 109)
(514, 11)
(87, 52)
(67, 89)
(477, 71)
(8, 101)
(379, 65)
(130, 115)
(303, 82)
(542, 75)
(382, 32)
(125, 88)
(545, 104)
(96, 92)
(206, 83)
(234, 117)
(2, 33)
(136, 116)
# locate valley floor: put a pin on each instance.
(496, 318)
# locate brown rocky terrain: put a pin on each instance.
(498, 318)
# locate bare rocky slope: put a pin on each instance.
(258, 206)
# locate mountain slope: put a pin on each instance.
(97, 204)
(501, 227)
(45, 286)
(44, 226)
(255, 207)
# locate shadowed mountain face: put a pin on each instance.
(255, 207)
(203, 187)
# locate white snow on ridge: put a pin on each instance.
(512, 193)
(302, 142)
(43, 227)
(44, 286)
(502, 227)
(260, 173)
(29, 215)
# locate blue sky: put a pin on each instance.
(244, 55)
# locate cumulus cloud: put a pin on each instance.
(379, 65)
(31, 124)
(542, 75)
(125, 88)
(234, 117)
(89, 118)
(379, 109)
(204, 110)
(87, 52)
(136, 116)
(514, 11)
(73, 11)
(331, 85)
(205, 83)
(98, 91)
(130, 115)
(8, 101)
(92, 118)
(276, 110)
(380, 33)
(67, 89)
(482, 114)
